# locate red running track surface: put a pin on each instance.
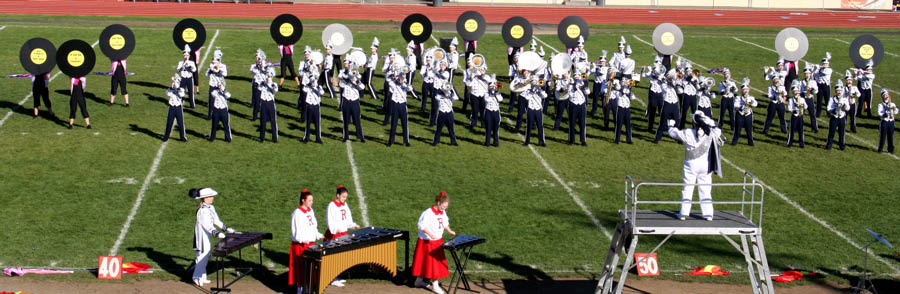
(492, 14)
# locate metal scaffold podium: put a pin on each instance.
(745, 223)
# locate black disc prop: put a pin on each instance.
(470, 25)
(865, 48)
(791, 44)
(570, 28)
(286, 29)
(416, 27)
(38, 56)
(189, 32)
(117, 42)
(76, 58)
(667, 38)
(517, 31)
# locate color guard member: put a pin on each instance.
(118, 80)
(76, 100)
(40, 91)
(287, 63)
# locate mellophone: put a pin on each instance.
(323, 262)
(460, 249)
(230, 244)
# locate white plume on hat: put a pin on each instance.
(307, 49)
(411, 45)
(187, 49)
(628, 50)
(870, 64)
(375, 43)
(622, 41)
(260, 54)
(454, 42)
(329, 45)
(603, 56)
(780, 61)
(217, 55)
(580, 41)
(884, 91)
(393, 52)
(746, 83)
(848, 74)
(533, 44)
(541, 52)
(827, 57)
(726, 71)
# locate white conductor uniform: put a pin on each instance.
(701, 159)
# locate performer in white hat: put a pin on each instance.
(176, 98)
(657, 76)
(578, 92)
(216, 71)
(623, 94)
(186, 68)
(398, 87)
(888, 111)
(412, 57)
(866, 78)
(388, 68)
(369, 74)
(207, 222)
(797, 106)
(220, 110)
(670, 103)
(809, 89)
(852, 93)
(258, 72)
(453, 58)
(268, 113)
(492, 113)
(444, 96)
(352, 87)
(600, 70)
(728, 89)
(743, 105)
(777, 98)
(702, 158)
(822, 75)
(838, 106)
(619, 55)
(313, 96)
(534, 96)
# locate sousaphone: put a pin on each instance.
(357, 57)
(560, 63)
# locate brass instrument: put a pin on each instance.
(631, 83)
(679, 75)
(541, 82)
(798, 108)
(584, 75)
(499, 85)
(696, 72)
(891, 110)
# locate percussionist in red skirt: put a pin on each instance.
(304, 233)
(429, 261)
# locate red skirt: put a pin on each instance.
(296, 256)
(329, 236)
(429, 261)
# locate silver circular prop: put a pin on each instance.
(791, 44)
(340, 36)
(667, 38)
(529, 61)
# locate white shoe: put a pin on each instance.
(709, 218)
(205, 281)
(198, 282)
(436, 288)
(338, 283)
(682, 218)
(420, 283)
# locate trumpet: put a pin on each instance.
(631, 83)
(679, 75)
(541, 82)
(696, 72)
(499, 85)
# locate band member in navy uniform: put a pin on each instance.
(728, 89)
(387, 70)
(887, 110)
(690, 85)
(429, 261)
(220, 110)
(777, 97)
(118, 80)
(534, 95)
(702, 158)
(412, 60)
(328, 69)
(76, 100)
(866, 79)
(809, 89)
(670, 104)
(268, 114)
(445, 97)
(822, 75)
(578, 92)
(304, 233)
(478, 87)
(838, 106)
(743, 105)
(258, 72)
(453, 58)
(446, 75)
(852, 93)
(352, 88)
(207, 223)
(398, 86)
(314, 94)
(287, 63)
(369, 74)
(600, 69)
(797, 106)
(561, 97)
(706, 95)
(39, 91)
(656, 74)
(623, 113)
(176, 98)
(186, 69)
(492, 113)
(216, 71)
(427, 88)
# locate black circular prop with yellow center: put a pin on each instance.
(286, 29)
(117, 42)
(570, 28)
(38, 56)
(76, 58)
(865, 48)
(517, 31)
(416, 27)
(189, 32)
(470, 25)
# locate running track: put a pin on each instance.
(541, 15)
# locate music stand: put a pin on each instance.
(864, 283)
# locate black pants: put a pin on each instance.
(209, 105)
(690, 102)
(254, 99)
(76, 101)
(118, 80)
(187, 85)
(466, 98)
(836, 124)
(771, 111)
(492, 127)
(726, 106)
(176, 113)
(40, 92)
(326, 76)
(313, 117)
(865, 101)
(301, 104)
(287, 65)
(669, 112)
(852, 115)
(744, 122)
(388, 106)
(811, 109)
(561, 105)
(821, 97)
(797, 128)
(535, 120)
(654, 105)
(220, 115)
(268, 115)
(623, 117)
(886, 133)
(609, 112)
(351, 112)
(477, 109)
(399, 112)
(369, 75)
(444, 119)
(523, 107)
(427, 95)
(577, 117)
(513, 100)
(432, 116)
(596, 96)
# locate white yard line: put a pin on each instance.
(359, 192)
(152, 173)
(793, 203)
(11, 111)
(3, 27)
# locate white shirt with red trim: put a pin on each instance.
(304, 227)
(338, 217)
(435, 221)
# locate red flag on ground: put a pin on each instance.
(709, 270)
(134, 267)
(790, 276)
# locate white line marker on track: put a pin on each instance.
(356, 182)
(791, 202)
(151, 174)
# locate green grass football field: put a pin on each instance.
(67, 195)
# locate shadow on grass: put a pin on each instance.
(148, 84)
(508, 263)
(167, 262)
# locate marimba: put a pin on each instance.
(460, 249)
(323, 262)
(231, 243)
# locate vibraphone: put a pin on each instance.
(323, 262)
(231, 243)
(460, 249)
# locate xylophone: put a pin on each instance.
(460, 249)
(230, 244)
(323, 262)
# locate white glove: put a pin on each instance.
(671, 123)
(708, 121)
(221, 235)
(229, 230)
